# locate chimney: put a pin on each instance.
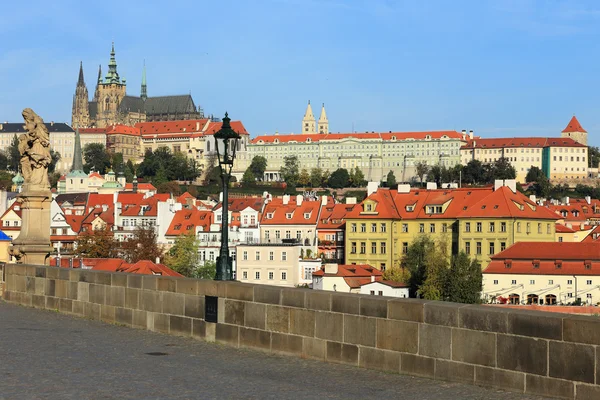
(431, 186)
(464, 134)
(157, 260)
(498, 183)
(220, 197)
(286, 199)
(350, 200)
(104, 207)
(331, 269)
(323, 200)
(471, 134)
(582, 226)
(197, 125)
(372, 278)
(588, 199)
(372, 188)
(51, 123)
(299, 199)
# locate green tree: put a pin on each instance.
(258, 167)
(129, 171)
(14, 156)
(304, 178)
(391, 179)
(316, 175)
(169, 187)
(290, 173)
(160, 177)
(421, 168)
(6, 180)
(357, 178)
(339, 178)
(248, 178)
(427, 262)
(397, 274)
(206, 271)
(501, 169)
(594, 157)
(3, 160)
(97, 244)
(183, 256)
(464, 280)
(474, 173)
(96, 158)
(534, 174)
(325, 178)
(142, 246)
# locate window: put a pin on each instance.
(277, 234)
(374, 247)
(363, 228)
(383, 228)
(257, 256)
(495, 281)
(404, 228)
(271, 256)
(373, 228)
(283, 275)
(383, 247)
(539, 228)
(569, 294)
(444, 227)
(363, 247)
(353, 248)
(492, 227)
(478, 227)
(298, 235)
(245, 275)
(421, 228)
(548, 229)
(467, 227)
(532, 282)
(569, 282)
(529, 227)
(589, 295)
(257, 275)
(513, 282)
(550, 282)
(353, 227)
(382, 267)
(431, 228)
(478, 248)
(288, 234)
(245, 256)
(372, 293)
(271, 275)
(502, 246)
(518, 227)
(588, 282)
(284, 256)
(560, 238)
(502, 226)
(308, 271)
(492, 245)
(468, 247)
(405, 248)
(380, 292)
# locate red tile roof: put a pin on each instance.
(240, 204)
(141, 186)
(119, 129)
(12, 207)
(352, 271)
(185, 222)
(333, 216)
(560, 228)
(165, 127)
(94, 174)
(237, 126)
(498, 143)
(277, 213)
(574, 126)
(146, 267)
(98, 200)
(572, 257)
(75, 222)
(389, 136)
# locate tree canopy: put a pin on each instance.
(290, 172)
(357, 177)
(96, 158)
(339, 178)
(316, 176)
(421, 169)
(258, 167)
(183, 256)
(142, 246)
(594, 156)
(162, 165)
(14, 156)
(391, 179)
(97, 244)
(304, 178)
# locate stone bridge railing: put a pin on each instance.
(523, 351)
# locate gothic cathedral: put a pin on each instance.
(111, 104)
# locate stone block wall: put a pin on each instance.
(533, 352)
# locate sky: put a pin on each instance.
(501, 68)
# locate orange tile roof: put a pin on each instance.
(185, 221)
(361, 136)
(574, 126)
(130, 198)
(240, 204)
(560, 228)
(141, 186)
(75, 222)
(12, 208)
(352, 271)
(165, 127)
(146, 267)
(237, 126)
(277, 213)
(498, 143)
(94, 174)
(333, 216)
(98, 200)
(572, 258)
(119, 129)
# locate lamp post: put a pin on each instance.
(226, 142)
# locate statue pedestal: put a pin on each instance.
(33, 244)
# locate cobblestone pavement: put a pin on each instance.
(46, 355)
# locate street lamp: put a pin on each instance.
(226, 142)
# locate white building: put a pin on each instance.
(544, 273)
(385, 288)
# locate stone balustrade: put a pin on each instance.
(533, 352)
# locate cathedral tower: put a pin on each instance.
(80, 117)
(144, 91)
(308, 122)
(323, 122)
(110, 93)
(575, 131)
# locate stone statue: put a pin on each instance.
(33, 244)
(34, 146)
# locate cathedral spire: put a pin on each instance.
(80, 81)
(99, 74)
(323, 122)
(112, 76)
(144, 92)
(308, 122)
(77, 154)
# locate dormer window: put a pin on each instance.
(410, 208)
(269, 215)
(507, 263)
(588, 264)
(558, 264)
(289, 215)
(306, 215)
(368, 207)
(536, 264)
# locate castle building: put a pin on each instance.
(111, 105)
(309, 124)
(575, 131)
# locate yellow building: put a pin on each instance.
(478, 221)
